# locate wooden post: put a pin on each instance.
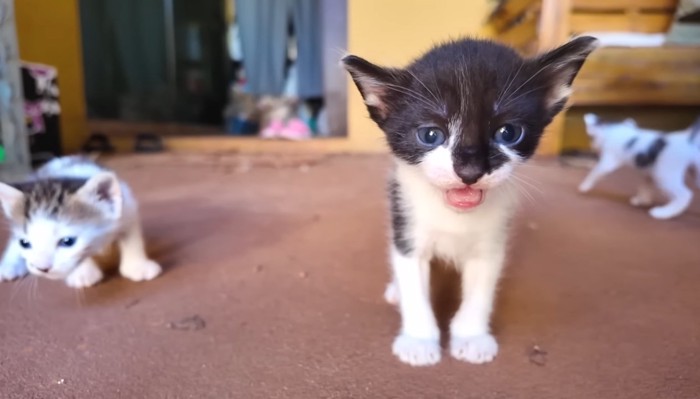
(553, 31)
(13, 132)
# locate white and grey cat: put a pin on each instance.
(459, 121)
(68, 212)
(664, 159)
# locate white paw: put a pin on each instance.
(391, 294)
(662, 212)
(84, 276)
(477, 349)
(12, 270)
(417, 351)
(584, 187)
(141, 270)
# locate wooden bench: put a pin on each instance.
(612, 76)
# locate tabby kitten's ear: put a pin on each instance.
(560, 66)
(374, 83)
(11, 199)
(104, 192)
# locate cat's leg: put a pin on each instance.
(12, 265)
(418, 344)
(645, 193)
(679, 195)
(87, 274)
(608, 163)
(470, 336)
(134, 263)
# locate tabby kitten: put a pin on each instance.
(70, 211)
(458, 121)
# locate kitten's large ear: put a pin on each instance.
(560, 66)
(104, 192)
(11, 199)
(373, 82)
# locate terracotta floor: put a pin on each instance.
(284, 263)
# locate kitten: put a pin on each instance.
(70, 211)
(458, 121)
(664, 159)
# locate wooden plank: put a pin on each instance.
(504, 16)
(612, 5)
(640, 76)
(628, 94)
(644, 23)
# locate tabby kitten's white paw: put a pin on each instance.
(141, 270)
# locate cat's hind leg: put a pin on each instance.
(12, 265)
(672, 182)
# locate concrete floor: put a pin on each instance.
(283, 263)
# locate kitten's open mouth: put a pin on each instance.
(464, 198)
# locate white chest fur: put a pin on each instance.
(440, 231)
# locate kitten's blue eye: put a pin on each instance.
(24, 243)
(66, 242)
(430, 136)
(509, 135)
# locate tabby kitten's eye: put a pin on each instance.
(66, 242)
(509, 135)
(430, 136)
(24, 243)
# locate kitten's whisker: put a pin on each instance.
(512, 100)
(523, 191)
(528, 80)
(80, 295)
(522, 180)
(417, 96)
(437, 100)
(17, 285)
(504, 93)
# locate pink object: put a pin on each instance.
(296, 129)
(273, 130)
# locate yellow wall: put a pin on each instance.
(393, 32)
(49, 33)
(390, 32)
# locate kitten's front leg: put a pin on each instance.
(87, 274)
(418, 344)
(12, 265)
(607, 164)
(470, 337)
(134, 263)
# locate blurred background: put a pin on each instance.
(219, 75)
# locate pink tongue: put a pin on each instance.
(464, 198)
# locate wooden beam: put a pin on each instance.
(613, 5)
(644, 23)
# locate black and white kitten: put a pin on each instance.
(458, 121)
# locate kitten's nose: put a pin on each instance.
(43, 269)
(469, 174)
